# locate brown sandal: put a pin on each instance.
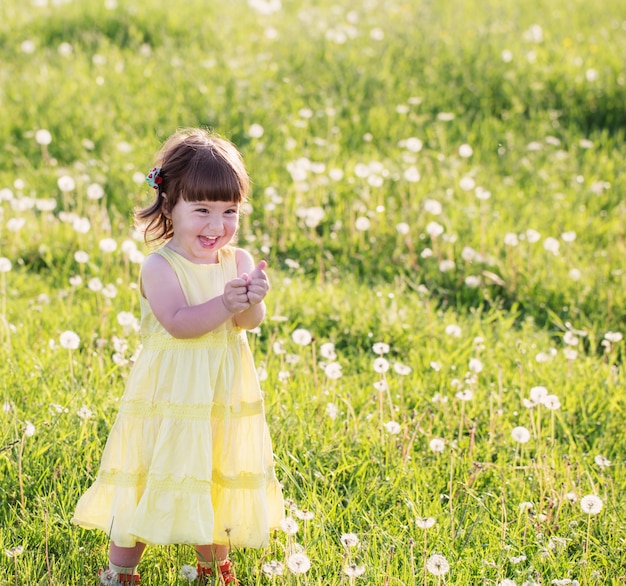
(227, 577)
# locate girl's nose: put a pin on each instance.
(214, 222)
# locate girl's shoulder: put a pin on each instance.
(242, 255)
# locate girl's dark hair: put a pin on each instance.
(196, 166)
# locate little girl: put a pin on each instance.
(189, 458)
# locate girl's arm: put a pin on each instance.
(257, 287)
(165, 296)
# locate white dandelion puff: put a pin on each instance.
(69, 340)
(437, 445)
(392, 427)
(289, 526)
(298, 563)
(381, 365)
(354, 571)
(380, 348)
(602, 462)
(425, 522)
(273, 568)
(349, 540)
(520, 434)
(189, 573)
(591, 504)
(437, 565)
(302, 337)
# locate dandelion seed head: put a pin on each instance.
(381, 365)
(437, 445)
(403, 228)
(298, 563)
(425, 522)
(465, 395)
(571, 497)
(289, 526)
(69, 340)
(591, 504)
(95, 191)
(538, 393)
(354, 571)
(437, 565)
(255, 131)
(392, 427)
(434, 229)
(532, 236)
(108, 245)
(66, 183)
(432, 206)
(327, 351)
(84, 413)
(304, 515)
(520, 434)
(413, 144)
(333, 370)
(412, 175)
(43, 137)
(453, 331)
(5, 264)
(602, 462)
(189, 573)
(402, 369)
(349, 540)
(614, 337)
(475, 365)
(380, 348)
(551, 402)
(273, 568)
(14, 551)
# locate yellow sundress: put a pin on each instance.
(189, 458)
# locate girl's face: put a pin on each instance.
(201, 228)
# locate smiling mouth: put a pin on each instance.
(208, 240)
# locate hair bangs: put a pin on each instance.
(215, 174)
(212, 180)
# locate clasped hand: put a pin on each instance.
(246, 290)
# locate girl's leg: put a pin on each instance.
(211, 554)
(124, 560)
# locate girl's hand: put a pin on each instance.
(258, 284)
(235, 295)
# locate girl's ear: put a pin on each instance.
(165, 206)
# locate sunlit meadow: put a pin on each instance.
(438, 188)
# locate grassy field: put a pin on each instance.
(438, 188)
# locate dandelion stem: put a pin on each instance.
(461, 421)
(71, 364)
(450, 488)
(3, 315)
(314, 358)
(20, 478)
(47, 545)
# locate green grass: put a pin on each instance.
(337, 86)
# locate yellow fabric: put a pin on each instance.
(189, 457)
